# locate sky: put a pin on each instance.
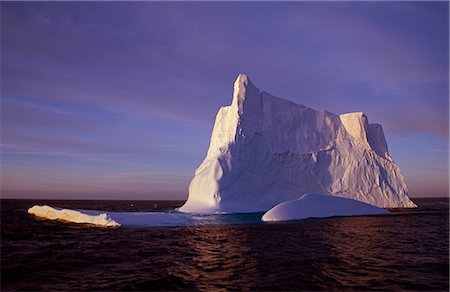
(117, 100)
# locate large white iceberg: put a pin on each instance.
(313, 205)
(265, 150)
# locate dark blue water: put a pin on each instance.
(408, 250)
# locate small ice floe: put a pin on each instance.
(108, 219)
(47, 212)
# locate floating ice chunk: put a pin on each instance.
(314, 205)
(47, 212)
(108, 219)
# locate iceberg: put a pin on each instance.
(265, 150)
(314, 205)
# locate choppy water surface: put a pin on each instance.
(406, 250)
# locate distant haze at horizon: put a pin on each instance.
(118, 100)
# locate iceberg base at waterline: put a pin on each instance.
(315, 205)
(310, 205)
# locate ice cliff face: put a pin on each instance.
(265, 150)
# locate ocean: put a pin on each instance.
(408, 250)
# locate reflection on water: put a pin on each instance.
(408, 250)
(219, 255)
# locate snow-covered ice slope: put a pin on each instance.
(265, 150)
(314, 205)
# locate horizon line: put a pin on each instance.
(171, 200)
